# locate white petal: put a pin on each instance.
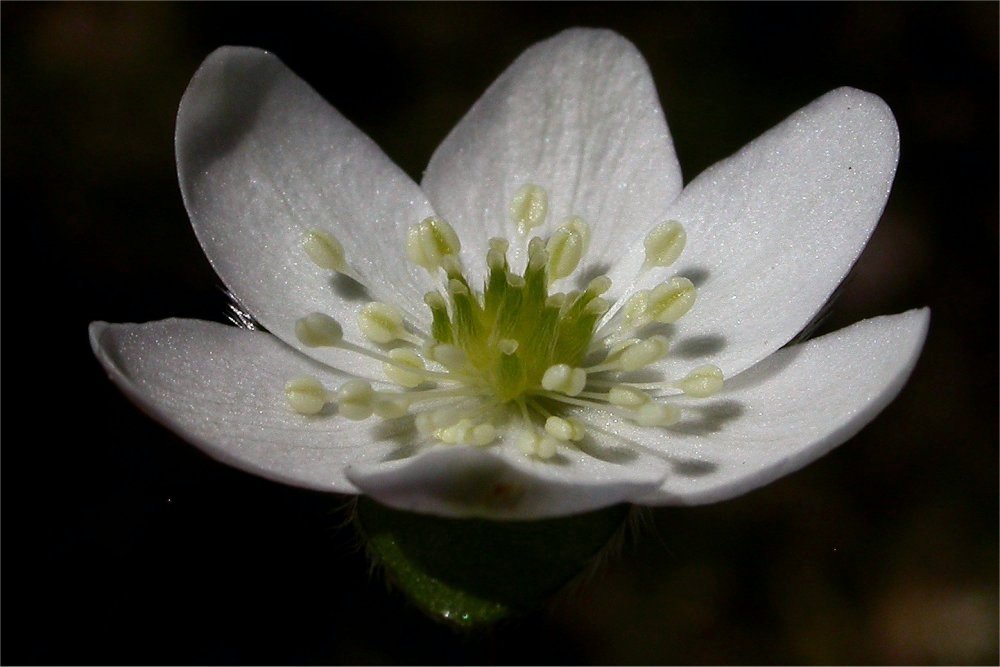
(262, 159)
(222, 388)
(578, 115)
(775, 228)
(499, 483)
(785, 412)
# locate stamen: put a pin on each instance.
(325, 251)
(528, 208)
(643, 353)
(510, 355)
(657, 414)
(564, 429)
(407, 369)
(318, 330)
(306, 395)
(671, 300)
(702, 382)
(390, 406)
(430, 241)
(564, 379)
(664, 244)
(566, 247)
(382, 323)
(355, 400)
(627, 396)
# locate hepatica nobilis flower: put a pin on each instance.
(548, 323)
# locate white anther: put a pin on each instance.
(407, 369)
(430, 241)
(564, 379)
(449, 356)
(381, 322)
(388, 406)
(529, 207)
(657, 414)
(702, 382)
(665, 244)
(643, 353)
(508, 346)
(566, 247)
(671, 300)
(306, 395)
(318, 330)
(626, 396)
(355, 399)
(325, 251)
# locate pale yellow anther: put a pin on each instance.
(547, 447)
(318, 330)
(527, 442)
(325, 251)
(529, 207)
(407, 367)
(643, 353)
(482, 434)
(381, 322)
(566, 247)
(458, 433)
(430, 241)
(306, 395)
(665, 244)
(559, 428)
(508, 346)
(702, 382)
(657, 414)
(388, 406)
(564, 379)
(634, 310)
(450, 356)
(671, 300)
(626, 396)
(355, 399)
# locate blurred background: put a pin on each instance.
(124, 544)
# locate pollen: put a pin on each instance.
(512, 361)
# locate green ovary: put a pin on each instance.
(515, 330)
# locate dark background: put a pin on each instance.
(121, 543)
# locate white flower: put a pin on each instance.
(555, 375)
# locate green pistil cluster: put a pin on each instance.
(515, 330)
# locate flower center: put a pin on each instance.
(514, 358)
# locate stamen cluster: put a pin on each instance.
(512, 359)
